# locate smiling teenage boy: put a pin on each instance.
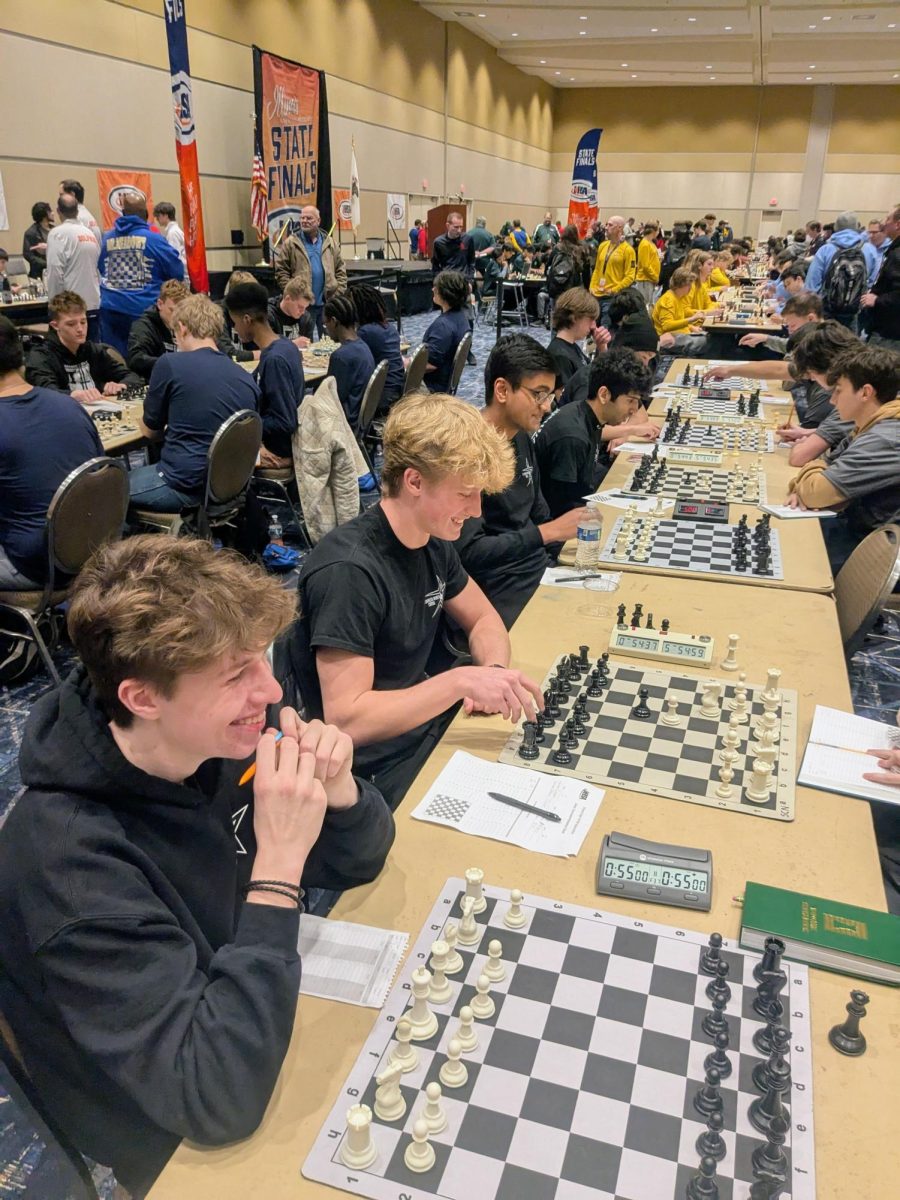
(373, 590)
(151, 906)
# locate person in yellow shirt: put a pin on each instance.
(615, 266)
(719, 277)
(648, 263)
(700, 263)
(673, 314)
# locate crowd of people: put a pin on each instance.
(150, 972)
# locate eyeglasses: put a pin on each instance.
(540, 396)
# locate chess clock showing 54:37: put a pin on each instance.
(655, 871)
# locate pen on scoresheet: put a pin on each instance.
(574, 578)
(529, 808)
(251, 770)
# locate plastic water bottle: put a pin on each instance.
(275, 531)
(587, 549)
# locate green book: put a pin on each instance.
(823, 933)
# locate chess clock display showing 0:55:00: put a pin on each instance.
(654, 871)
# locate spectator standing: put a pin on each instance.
(316, 258)
(34, 241)
(72, 255)
(546, 235)
(843, 270)
(881, 304)
(85, 216)
(164, 215)
(615, 266)
(414, 238)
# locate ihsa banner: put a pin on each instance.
(186, 145)
(292, 123)
(583, 205)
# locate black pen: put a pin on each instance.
(573, 578)
(529, 808)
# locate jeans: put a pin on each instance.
(848, 320)
(11, 579)
(149, 490)
(114, 329)
(317, 312)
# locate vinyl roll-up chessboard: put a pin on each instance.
(582, 1083)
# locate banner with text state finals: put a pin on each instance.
(186, 145)
(583, 203)
(292, 125)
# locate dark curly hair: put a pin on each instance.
(453, 289)
(341, 308)
(619, 371)
(820, 348)
(369, 305)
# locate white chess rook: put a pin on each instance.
(730, 662)
(358, 1150)
(759, 788)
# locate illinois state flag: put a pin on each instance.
(583, 203)
(354, 187)
(186, 144)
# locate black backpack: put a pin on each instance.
(562, 275)
(845, 280)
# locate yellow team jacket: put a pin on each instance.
(616, 266)
(718, 279)
(647, 262)
(699, 298)
(671, 313)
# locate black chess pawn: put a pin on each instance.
(568, 735)
(709, 959)
(765, 1109)
(709, 1098)
(847, 1037)
(775, 1071)
(719, 1059)
(710, 1143)
(561, 683)
(579, 729)
(715, 1022)
(528, 749)
(703, 1186)
(561, 756)
(641, 710)
(769, 1160)
(773, 948)
(595, 688)
(664, 625)
(764, 1039)
(718, 986)
(741, 406)
(768, 992)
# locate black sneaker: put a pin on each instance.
(471, 361)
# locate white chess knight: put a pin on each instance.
(389, 1102)
(469, 932)
(709, 704)
(474, 888)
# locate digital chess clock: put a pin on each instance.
(696, 454)
(654, 871)
(700, 510)
(681, 648)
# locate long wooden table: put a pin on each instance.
(828, 850)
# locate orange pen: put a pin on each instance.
(251, 770)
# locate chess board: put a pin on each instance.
(695, 546)
(752, 439)
(679, 482)
(710, 406)
(678, 761)
(582, 1083)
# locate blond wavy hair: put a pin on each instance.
(154, 608)
(174, 289)
(440, 436)
(200, 316)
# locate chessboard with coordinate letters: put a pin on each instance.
(645, 754)
(688, 482)
(694, 546)
(752, 439)
(713, 406)
(582, 1083)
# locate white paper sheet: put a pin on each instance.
(347, 962)
(836, 758)
(573, 577)
(784, 512)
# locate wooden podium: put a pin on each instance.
(437, 219)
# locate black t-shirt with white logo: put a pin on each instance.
(363, 591)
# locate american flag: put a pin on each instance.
(259, 197)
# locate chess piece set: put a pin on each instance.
(654, 476)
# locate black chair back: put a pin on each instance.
(415, 372)
(87, 510)
(372, 397)
(459, 362)
(232, 456)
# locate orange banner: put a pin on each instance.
(341, 207)
(113, 185)
(289, 134)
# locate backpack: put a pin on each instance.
(563, 274)
(845, 280)
(674, 257)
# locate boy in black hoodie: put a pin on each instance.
(67, 362)
(151, 904)
(153, 335)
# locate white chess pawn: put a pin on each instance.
(358, 1150)
(403, 1052)
(454, 1073)
(739, 704)
(419, 1154)
(441, 990)
(389, 1102)
(709, 704)
(760, 786)
(465, 1031)
(454, 963)
(421, 1018)
(514, 918)
(433, 1113)
(482, 1005)
(474, 888)
(670, 716)
(493, 969)
(729, 757)
(469, 933)
(724, 790)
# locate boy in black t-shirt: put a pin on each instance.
(352, 363)
(372, 592)
(288, 314)
(571, 445)
(279, 374)
(504, 550)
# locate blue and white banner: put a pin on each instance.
(186, 144)
(584, 207)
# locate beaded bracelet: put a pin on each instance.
(287, 890)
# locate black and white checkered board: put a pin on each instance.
(753, 440)
(697, 546)
(680, 482)
(678, 761)
(711, 406)
(582, 1083)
